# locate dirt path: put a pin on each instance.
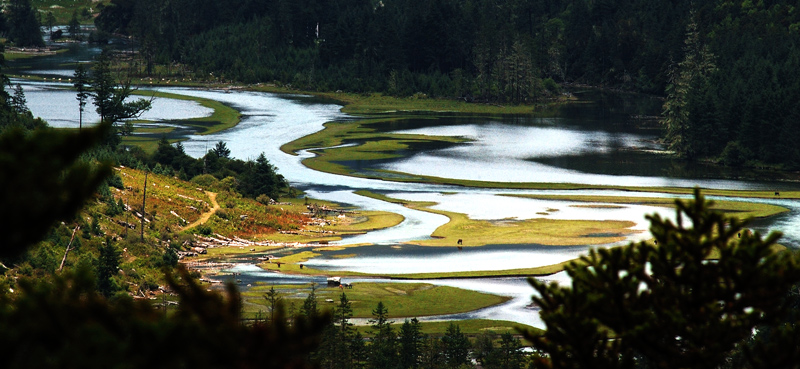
(205, 216)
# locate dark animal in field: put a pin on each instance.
(460, 241)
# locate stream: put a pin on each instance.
(560, 148)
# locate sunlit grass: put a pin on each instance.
(508, 232)
(402, 299)
(739, 209)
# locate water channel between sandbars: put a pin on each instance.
(270, 120)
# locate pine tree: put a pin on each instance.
(412, 342)
(273, 299)
(383, 351)
(666, 305)
(456, 346)
(108, 267)
(222, 150)
(74, 26)
(23, 25)
(82, 84)
(693, 71)
(509, 355)
(309, 308)
(339, 354)
(109, 97)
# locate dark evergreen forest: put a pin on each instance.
(727, 67)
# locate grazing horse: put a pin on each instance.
(777, 193)
(460, 242)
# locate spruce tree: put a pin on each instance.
(383, 351)
(456, 346)
(23, 25)
(82, 85)
(412, 342)
(689, 75)
(685, 301)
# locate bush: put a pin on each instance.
(206, 181)
(734, 155)
(264, 199)
(115, 181)
(551, 85)
(203, 230)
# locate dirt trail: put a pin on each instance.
(205, 216)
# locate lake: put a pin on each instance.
(600, 141)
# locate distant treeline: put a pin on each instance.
(513, 51)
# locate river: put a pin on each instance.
(553, 149)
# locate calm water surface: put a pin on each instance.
(549, 149)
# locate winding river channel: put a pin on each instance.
(570, 147)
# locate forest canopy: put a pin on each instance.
(742, 111)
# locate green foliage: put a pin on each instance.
(109, 96)
(114, 180)
(690, 74)
(23, 26)
(203, 230)
(273, 302)
(336, 348)
(205, 181)
(170, 258)
(383, 351)
(456, 347)
(74, 28)
(221, 150)
(666, 305)
(65, 323)
(734, 155)
(82, 84)
(107, 269)
(43, 181)
(261, 178)
(411, 344)
(309, 307)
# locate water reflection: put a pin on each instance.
(409, 259)
(529, 153)
(502, 150)
(517, 309)
(59, 106)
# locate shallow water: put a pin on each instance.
(270, 120)
(517, 309)
(408, 259)
(59, 106)
(504, 152)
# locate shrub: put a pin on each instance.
(206, 181)
(203, 230)
(551, 85)
(264, 199)
(115, 181)
(734, 155)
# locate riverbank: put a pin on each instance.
(368, 143)
(404, 300)
(222, 117)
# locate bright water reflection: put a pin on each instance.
(423, 223)
(505, 153)
(407, 259)
(518, 309)
(59, 106)
(270, 121)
